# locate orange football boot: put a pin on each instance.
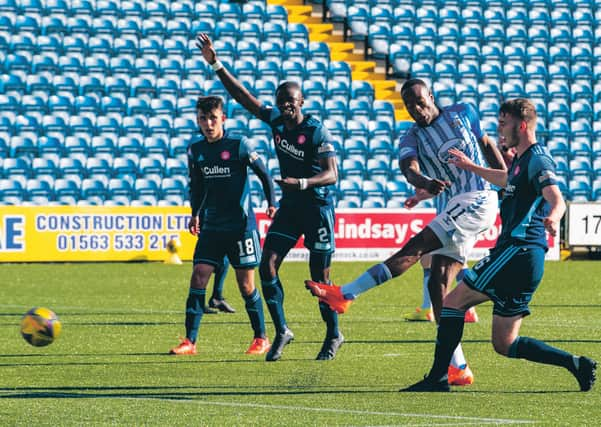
(458, 376)
(185, 347)
(330, 294)
(259, 346)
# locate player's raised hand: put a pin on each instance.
(194, 225)
(420, 194)
(551, 226)
(205, 45)
(459, 159)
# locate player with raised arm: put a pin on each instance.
(308, 167)
(219, 191)
(532, 204)
(467, 203)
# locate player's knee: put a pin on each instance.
(199, 278)
(267, 270)
(501, 345)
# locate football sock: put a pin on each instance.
(426, 301)
(220, 273)
(458, 359)
(274, 297)
(538, 351)
(373, 277)
(254, 308)
(450, 330)
(194, 310)
(331, 318)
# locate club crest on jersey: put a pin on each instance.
(443, 151)
(456, 123)
(516, 170)
(277, 138)
(301, 139)
(225, 155)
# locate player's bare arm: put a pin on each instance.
(492, 154)
(552, 195)
(328, 176)
(495, 176)
(231, 84)
(410, 168)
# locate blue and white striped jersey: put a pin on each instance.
(457, 126)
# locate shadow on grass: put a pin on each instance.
(178, 393)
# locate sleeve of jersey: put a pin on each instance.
(474, 120)
(268, 114)
(408, 146)
(196, 186)
(541, 172)
(323, 143)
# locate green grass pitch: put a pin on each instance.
(110, 365)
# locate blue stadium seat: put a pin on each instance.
(398, 189)
(16, 166)
(146, 187)
(23, 146)
(175, 167)
(39, 191)
(172, 187)
(11, 191)
(579, 188)
(102, 144)
(129, 144)
(184, 126)
(93, 187)
(49, 145)
(98, 166)
(124, 166)
(119, 188)
(66, 188)
(353, 167)
(349, 188)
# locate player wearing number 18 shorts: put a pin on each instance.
(467, 203)
(223, 219)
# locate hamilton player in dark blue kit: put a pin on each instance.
(223, 219)
(308, 167)
(532, 205)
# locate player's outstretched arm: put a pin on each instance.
(231, 84)
(552, 195)
(495, 176)
(410, 168)
(493, 156)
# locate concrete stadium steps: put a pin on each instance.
(340, 50)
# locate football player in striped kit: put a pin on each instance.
(466, 203)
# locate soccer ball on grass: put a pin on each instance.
(40, 326)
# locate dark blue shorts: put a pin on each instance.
(315, 222)
(243, 250)
(508, 276)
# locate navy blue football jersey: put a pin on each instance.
(523, 207)
(299, 151)
(219, 189)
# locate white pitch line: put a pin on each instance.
(464, 420)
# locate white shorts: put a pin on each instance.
(465, 217)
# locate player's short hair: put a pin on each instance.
(287, 85)
(206, 104)
(413, 82)
(520, 108)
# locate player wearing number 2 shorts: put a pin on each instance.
(467, 204)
